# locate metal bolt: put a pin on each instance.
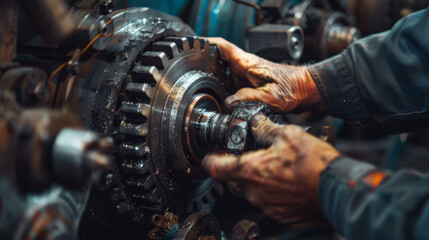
(237, 135)
(106, 6)
(294, 42)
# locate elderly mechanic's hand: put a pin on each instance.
(283, 180)
(285, 88)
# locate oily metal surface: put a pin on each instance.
(154, 173)
(122, 91)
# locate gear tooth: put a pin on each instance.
(136, 108)
(136, 150)
(149, 182)
(145, 183)
(153, 196)
(135, 167)
(141, 88)
(113, 182)
(144, 199)
(195, 43)
(182, 43)
(169, 48)
(157, 59)
(133, 129)
(146, 74)
(205, 45)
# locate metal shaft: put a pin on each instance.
(211, 127)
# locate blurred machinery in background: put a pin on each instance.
(301, 30)
(288, 31)
(106, 110)
(328, 25)
(377, 16)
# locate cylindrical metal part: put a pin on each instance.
(230, 132)
(211, 127)
(276, 42)
(206, 127)
(340, 37)
(296, 42)
(76, 155)
(246, 230)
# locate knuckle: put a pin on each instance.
(293, 128)
(270, 128)
(276, 132)
(251, 166)
(292, 131)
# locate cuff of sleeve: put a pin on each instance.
(339, 90)
(336, 187)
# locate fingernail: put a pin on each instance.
(257, 119)
(232, 101)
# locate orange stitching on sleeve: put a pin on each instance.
(374, 179)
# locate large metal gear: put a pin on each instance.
(155, 171)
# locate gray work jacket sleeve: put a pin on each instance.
(382, 79)
(362, 202)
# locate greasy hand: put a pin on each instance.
(284, 88)
(283, 180)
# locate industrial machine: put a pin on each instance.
(106, 113)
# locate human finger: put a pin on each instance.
(264, 130)
(227, 49)
(258, 196)
(246, 95)
(222, 166)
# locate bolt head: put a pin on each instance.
(106, 6)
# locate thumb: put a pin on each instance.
(264, 130)
(246, 95)
(222, 166)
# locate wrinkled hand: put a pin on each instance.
(284, 88)
(283, 180)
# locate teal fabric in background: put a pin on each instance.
(209, 18)
(172, 7)
(222, 18)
